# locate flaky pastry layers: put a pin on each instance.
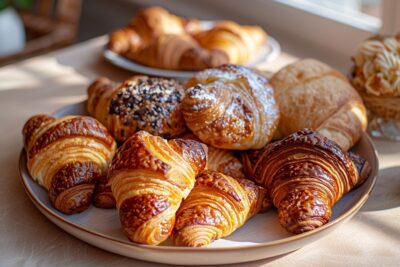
(231, 107)
(305, 175)
(215, 208)
(239, 43)
(312, 95)
(67, 156)
(149, 178)
(221, 160)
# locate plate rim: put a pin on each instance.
(23, 171)
(111, 57)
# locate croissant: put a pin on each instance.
(67, 156)
(215, 208)
(221, 160)
(312, 95)
(231, 107)
(177, 52)
(140, 103)
(149, 178)
(239, 43)
(305, 175)
(146, 26)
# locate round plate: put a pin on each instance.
(269, 52)
(261, 237)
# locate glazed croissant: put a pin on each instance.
(215, 208)
(221, 160)
(312, 95)
(305, 175)
(150, 177)
(177, 52)
(231, 107)
(67, 156)
(238, 43)
(148, 24)
(139, 103)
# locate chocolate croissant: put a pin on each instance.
(149, 178)
(312, 95)
(231, 107)
(305, 175)
(139, 103)
(215, 208)
(67, 156)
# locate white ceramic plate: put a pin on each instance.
(269, 52)
(261, 237)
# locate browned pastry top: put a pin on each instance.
(231, 107)
(135, 154)
(151, 104)
(300, 140)
(73, 126)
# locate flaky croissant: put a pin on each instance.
(150, 177)
(139, 103)
(239, 43)
(312, 95)
(215, 208)
(231, 107)
(177, 52)
(148, 24)
(305, 175)
(67, 156)
(221, 160)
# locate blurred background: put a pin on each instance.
(325, 29)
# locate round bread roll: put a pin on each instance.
(312, 95)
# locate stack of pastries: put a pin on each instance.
(195, 161)
(160, 39)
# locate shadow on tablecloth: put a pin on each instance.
(386, 194)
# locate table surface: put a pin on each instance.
(46, 83)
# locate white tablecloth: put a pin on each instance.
(27, 238)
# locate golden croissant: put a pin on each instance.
(177, 52)
(221, 160)
(67, 156)
(215, 208)
(239, 43)
(149, 178)
(231, 107)
(305, 175)
(139, 103)
(148, 24)
(312, 95)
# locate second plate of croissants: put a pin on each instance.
(159, 43)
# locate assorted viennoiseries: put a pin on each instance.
(160, 39)
(197, 160)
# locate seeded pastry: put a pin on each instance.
(139, 103)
